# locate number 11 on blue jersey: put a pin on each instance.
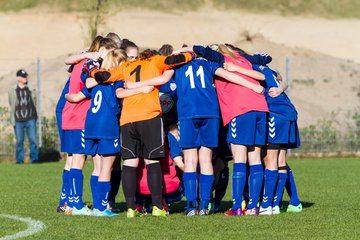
(199, 73)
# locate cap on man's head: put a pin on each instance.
(21, 73)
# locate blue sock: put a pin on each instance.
(70, 197)
(65, 188)
(291, 188)
(280, 188)
(238, 183)
(206, 184)
(93, 184)
(269, 187)
(255, 184)
(103, 189)
(70, 201)
(190, 185)
(77, 187)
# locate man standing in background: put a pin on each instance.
(22, 100)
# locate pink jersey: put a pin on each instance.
(235, 100)
(170, 180)
(74, 114)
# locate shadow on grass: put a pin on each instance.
(179, 207)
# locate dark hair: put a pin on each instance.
(233, 48)
(166, 50)
(95, 45)
(148, 53)
(126, 43)
(184, 45)
(115, 38)
(108, 43)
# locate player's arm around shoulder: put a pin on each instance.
(156, 81)
(124, 93)
(169, 62)
(108, 75)
(231, 77)
(276, 91)
(248, 72)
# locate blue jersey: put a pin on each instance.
(196, 91)
(168, 99)
(175, 149)
(280, 105)
(61, 102)
(102, 119)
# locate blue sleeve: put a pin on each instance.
(260, 59)
(84, 76)
(86, 92)
(256, 67)
(119, 84)
(175, 150)
(274, 72)
(214, 66)
(209, 54)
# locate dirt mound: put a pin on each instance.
(323, 82)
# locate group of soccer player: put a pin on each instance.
(176, 118)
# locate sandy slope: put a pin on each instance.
(322, 85)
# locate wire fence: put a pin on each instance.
(49, 76)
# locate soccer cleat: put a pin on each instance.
(266, 211)
(211, 207)
(131, 213)
(157, 212)
(232, 212)
(140, 209)
(112, 207)
(282, 209)
(294, 209)
(191, 213)
(243, 205)
(61, 208)
(276, 210)
(252, 212)
(85, 211)
(204, 212)
(68, 210)
(105, 213)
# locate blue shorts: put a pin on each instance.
(73, 141)
(248, 129)
(199, 132)
(102, 146)
(283, 132)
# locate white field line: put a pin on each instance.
(34, 226)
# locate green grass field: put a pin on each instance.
(329, 189)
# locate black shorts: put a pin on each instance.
(143, 139)
(223, 150)
(274, 146)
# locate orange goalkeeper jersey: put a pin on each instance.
(141, 106)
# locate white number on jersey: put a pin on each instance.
(199, 73)
(97, 102)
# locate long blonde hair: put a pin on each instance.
(113, 58)
(226, 51)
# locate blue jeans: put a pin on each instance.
(30, 127)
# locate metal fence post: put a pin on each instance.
(39, 102)
(287, 72)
